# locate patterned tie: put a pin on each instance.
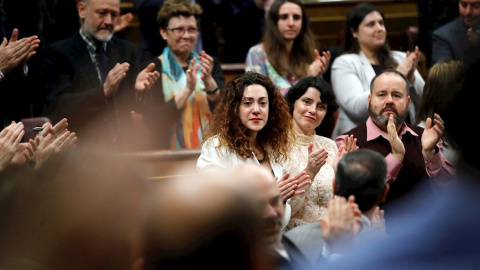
(102, 61)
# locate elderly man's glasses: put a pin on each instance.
(180, 30)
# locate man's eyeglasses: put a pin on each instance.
(180, 30)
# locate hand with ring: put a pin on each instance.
(316, 159)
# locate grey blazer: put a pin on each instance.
(351, 76)
(308, 238)
(450, 41)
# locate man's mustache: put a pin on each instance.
(106, 27)
(389, 107)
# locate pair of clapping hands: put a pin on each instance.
(291, 186)
(343, 222)
(51, 141)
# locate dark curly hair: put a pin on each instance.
(326, 94)
(276, 137)
(174, 8)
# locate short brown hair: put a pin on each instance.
(174, 8)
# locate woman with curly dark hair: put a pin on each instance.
(252, 124)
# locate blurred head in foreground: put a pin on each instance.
(84, 210)
(204, 221)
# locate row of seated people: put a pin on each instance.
(288, 43)
(93, 209)
(92, 80)
(104, 214)
(255, 123)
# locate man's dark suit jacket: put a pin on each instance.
(20, 96)
(450, 41)
(73, 89)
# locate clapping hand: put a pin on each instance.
(16, 52)
(473, 36)
(291, 186)
(431, 135)
(146, 78)
(409, 65)
(53, 140)
(316, 159)
(10, 138)
(123, 22)
(114, 77)
(341, 224)
(320, 64)
(398, 148)
(350, 145)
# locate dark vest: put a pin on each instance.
(413, 171)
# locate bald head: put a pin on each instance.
(263, 187)
(253, 177)
(197, 219)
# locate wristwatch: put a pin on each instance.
(212, 91)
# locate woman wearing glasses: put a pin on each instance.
(191, 82)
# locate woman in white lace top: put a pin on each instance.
(312, 103)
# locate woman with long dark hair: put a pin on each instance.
(366, 53)
(288, 50)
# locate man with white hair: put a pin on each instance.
(92, 77)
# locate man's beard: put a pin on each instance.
(94, 34)
(381, 120)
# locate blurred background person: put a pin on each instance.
(451, 41)
(366, 53)
(82, 210)
(312, 104)
(288, 51)
(240, 37)
(191, 82)
(442, 79)
(18, 98)
(431, 15)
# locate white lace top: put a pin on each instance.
(311, 205)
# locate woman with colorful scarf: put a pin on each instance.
(191, 82)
